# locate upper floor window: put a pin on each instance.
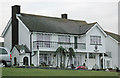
(43, 37)
(95, 40)
(64, 38)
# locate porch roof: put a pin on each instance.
(19, 47)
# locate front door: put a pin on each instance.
(25, 61)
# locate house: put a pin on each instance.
(42, 35)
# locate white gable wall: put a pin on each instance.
(15, 53)
(95, 31)
(24, 35)
(8, 38)
(112, 46)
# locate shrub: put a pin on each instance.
(32, 65)
(110, 68)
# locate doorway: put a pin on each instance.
(25, 61)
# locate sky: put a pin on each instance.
(105, 12)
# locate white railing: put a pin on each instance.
(51, 44)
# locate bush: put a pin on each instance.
(110, 68)
(32, 65)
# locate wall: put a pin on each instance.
(24, 35)
(112, 46)
(15, 53)
(21, 57)
(119, 55)
(95, 31)
(8, 38)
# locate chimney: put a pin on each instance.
(64, 16)
(15, 10)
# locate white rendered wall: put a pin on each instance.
(95, 32)
(112, 46)
(24, 35)
(15, 53)
(8, 38)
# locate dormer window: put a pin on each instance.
(95, 40)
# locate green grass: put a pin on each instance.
(53, 72)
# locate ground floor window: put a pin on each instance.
(45, 59)
(108, 64)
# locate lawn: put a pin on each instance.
(53, 72)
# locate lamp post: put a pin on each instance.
(38, 55)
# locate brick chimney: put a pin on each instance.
(64, 16)
(15, 10)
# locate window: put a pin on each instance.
(109, 54)
(44, 40)
(91, 55)
(95, 40)
(64, 38)
(43, 37)
(108, 63)
(3, 51)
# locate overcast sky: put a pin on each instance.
(105, 12)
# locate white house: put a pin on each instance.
(43, 35)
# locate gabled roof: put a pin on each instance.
(37, 23)
(113, 35)
(6, 28)
(19, 47)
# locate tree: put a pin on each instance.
(62, 51)
(71, 54)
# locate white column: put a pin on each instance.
(88, 60)
(83, 58)
(51, 58)
(66, 60)
(103, 61)
(38, 57)
(97, 60)
(80, 59)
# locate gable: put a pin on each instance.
(19, 47)
(14, 50)
(99, 29)
(6, 28)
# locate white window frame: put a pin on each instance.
(95, 40)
